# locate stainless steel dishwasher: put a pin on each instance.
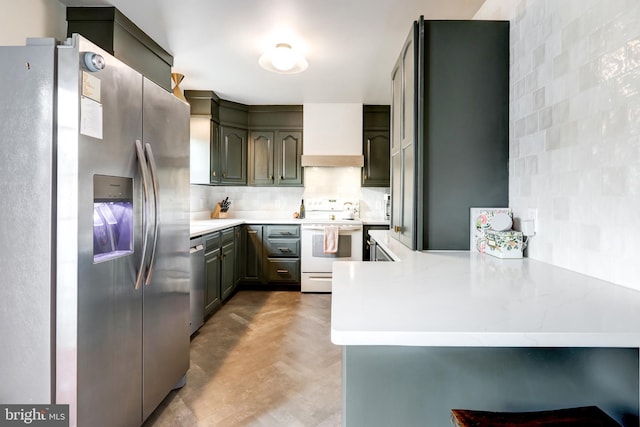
(196, 256)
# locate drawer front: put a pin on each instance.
(227, 235)
(282, 248)
(212, 241)
(283, 231)
(283, 270)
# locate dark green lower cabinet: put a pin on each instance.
(270, 254)
(219, 259)
(251, 258)
(237, 265)
(212, 294)
(227, 282)
(283, 270)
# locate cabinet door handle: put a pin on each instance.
(282, 271)
(284, 249)
(368, 157)
(284, 159)
(397, 228)
(213, 173)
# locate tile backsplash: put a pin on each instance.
(281, 202)
(575, 131)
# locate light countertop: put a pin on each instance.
(467, 299)
(205, 226)
(202, 227)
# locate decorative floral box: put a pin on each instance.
(504, 244)
(482, 220)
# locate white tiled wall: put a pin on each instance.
(575, 131)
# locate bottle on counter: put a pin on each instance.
(301, 216)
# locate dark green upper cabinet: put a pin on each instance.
(233, 156)
(214, 163)
(274, 158)
(275, 145)
(375, 145)
(288, 149)
(112, 31)
(261, 153)
(256, 144)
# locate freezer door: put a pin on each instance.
(26, 171)
(99, 314)
(166, 289)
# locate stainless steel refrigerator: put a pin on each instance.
(94, 293)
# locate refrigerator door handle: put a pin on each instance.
(145, 220)
(156, 210)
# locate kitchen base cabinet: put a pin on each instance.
(283, 270)
(282, 253)
(219, 260)
(237, 265)
(251, 258)
(227, 261)
(212, 258)
(270, 256)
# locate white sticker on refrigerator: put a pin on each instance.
(90, 118)
(90, 86)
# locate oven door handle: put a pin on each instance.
(340, 228)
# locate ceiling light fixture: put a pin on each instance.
(283, 59)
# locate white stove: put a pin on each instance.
(331, 231)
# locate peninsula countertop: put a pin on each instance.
(464, 299)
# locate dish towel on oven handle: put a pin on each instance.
(331, 233)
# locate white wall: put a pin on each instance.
(31, 18)
(332, 129)
(575, 131)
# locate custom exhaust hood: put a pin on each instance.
(332, 135)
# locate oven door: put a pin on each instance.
(316, 265)
(314, 260)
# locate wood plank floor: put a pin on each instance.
(264, 359)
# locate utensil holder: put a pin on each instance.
(217, 212)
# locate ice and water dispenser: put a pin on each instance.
(112, 217)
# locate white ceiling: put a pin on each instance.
(351, 45)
